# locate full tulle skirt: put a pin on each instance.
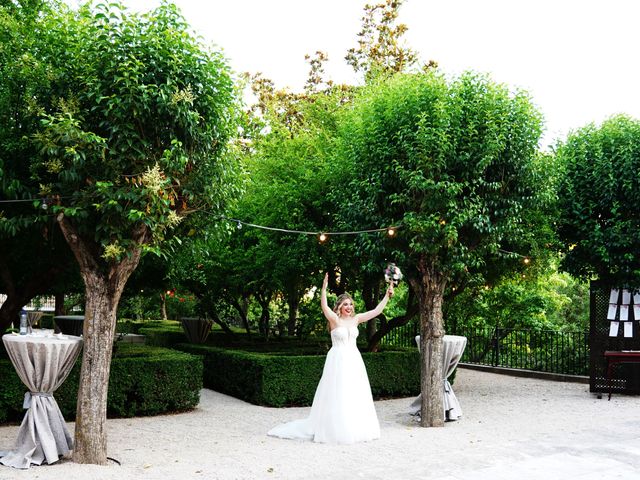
(342, 409)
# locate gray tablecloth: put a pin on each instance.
(453, 348)
(43, 361)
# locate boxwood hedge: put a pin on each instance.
(286, 380)
(143, 381)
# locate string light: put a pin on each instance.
(525, 259)
(18, 200)
(322, 236)
(45, 200)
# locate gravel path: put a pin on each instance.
(539, 429)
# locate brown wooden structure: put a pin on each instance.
(620, 376)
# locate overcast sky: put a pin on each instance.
(577, 58)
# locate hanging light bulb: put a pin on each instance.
(322, 237)
(391, 231)
(526, 260)
(44, 205)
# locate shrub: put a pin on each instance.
(285, 380)
(143, 381)
(163, 333)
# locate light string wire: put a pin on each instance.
(40, 199)
(20, 200)
(391, 230)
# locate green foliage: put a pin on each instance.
(284, 380)
(139, 307)
(11, 392)
(149, 381)
(163, 333)
(454, 164)
(553, 301)
(380, 50)
(181, 304)
(599, 199)
(137, 133)
(143, 381)
(25, 91)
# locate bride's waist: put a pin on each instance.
(345, 345)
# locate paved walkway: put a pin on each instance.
(513, 427)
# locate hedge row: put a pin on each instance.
(286, 380)
(163, 334)
(143, 381)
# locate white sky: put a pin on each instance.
(577, 58)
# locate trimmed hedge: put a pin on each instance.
(143, 381)
(163, 333)
(287, 380)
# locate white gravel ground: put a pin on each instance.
(537, 429)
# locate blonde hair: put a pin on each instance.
(341, 299)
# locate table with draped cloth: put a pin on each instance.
(43, 361)
(452, 349)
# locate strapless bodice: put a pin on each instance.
(344, 335)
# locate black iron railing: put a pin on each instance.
(540, 350)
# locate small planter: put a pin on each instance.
(196, 329)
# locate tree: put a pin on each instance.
(454, 165)
(136, 139)
(599, 202)
(25, 228)
(381, 50)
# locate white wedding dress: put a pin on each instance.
(342, 410)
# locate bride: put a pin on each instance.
(342, 409)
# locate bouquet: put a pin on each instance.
(392, 274)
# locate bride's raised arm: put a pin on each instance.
(329, 314)
(366, 316)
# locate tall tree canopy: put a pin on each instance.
(25, 83)
(133, 135)
(599, 202)
(454, 164)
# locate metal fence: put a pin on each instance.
(43, 304)
(540, 350)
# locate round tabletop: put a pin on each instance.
(42, 336)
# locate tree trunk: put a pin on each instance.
(98, 333)
(265, 317)
(10, 312)
(163, 306)
(225, 328)
(59, 307)
(242, 308)
(293, 301)
(103, 288)
(430, 290)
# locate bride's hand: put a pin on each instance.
(390, 290)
